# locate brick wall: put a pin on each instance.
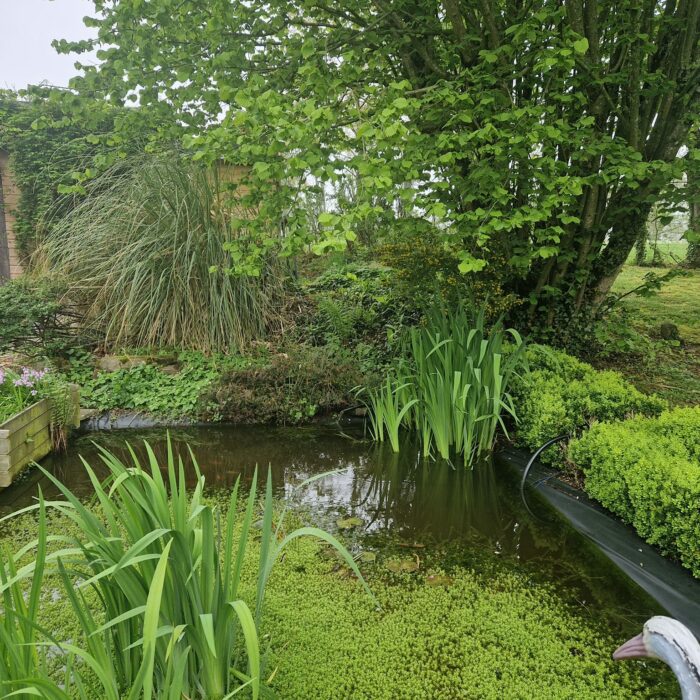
(9, 200)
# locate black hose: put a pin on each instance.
(533, 459)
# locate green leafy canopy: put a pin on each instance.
(535, 132)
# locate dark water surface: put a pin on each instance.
(446, 516)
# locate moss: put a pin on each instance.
(499, 635)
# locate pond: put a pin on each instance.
(396, 506)
(403, 501)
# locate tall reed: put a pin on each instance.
(450, 385)
(145, 252)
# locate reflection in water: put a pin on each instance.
(470, 517)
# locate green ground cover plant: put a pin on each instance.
(563, 395)
(450, 386)
(145, 386)
(647, 471)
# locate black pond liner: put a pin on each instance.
(672, 586)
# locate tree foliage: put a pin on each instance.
(538, 130)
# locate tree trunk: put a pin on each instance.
(641, 246)
(693, 255)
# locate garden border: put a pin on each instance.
(666, 581)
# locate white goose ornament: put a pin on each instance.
(669, 640)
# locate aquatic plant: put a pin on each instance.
(22, 659)
(150, 538)
(389, 409)
(450, 385)
(32, 662)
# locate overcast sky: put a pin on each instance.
(27, 28)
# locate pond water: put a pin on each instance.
(428, 510)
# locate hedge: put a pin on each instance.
(562, 395)
(647, 471)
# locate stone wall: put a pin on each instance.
(9, 199)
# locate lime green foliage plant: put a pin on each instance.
(495, 636)
(450, 385)
(495, 633)
(166, 568)
(562, 395)
(647, 471)
(146, 253)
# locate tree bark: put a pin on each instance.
(693, 255)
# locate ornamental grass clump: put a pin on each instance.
(450, 386)
(146, 253)
(166, 567)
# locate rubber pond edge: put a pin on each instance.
(673, 587)
(120, 420)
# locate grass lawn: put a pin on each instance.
(668, 252)
(677, 302)
(673, 372)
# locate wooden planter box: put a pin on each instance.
(26, 438)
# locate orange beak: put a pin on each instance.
(632, 649)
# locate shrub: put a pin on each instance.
(562, 395)
(295, 386)
(426, 271)
(146, 252)
(647, 471)
(355, 303)
(35, 318)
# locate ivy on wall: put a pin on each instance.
(49, 153)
